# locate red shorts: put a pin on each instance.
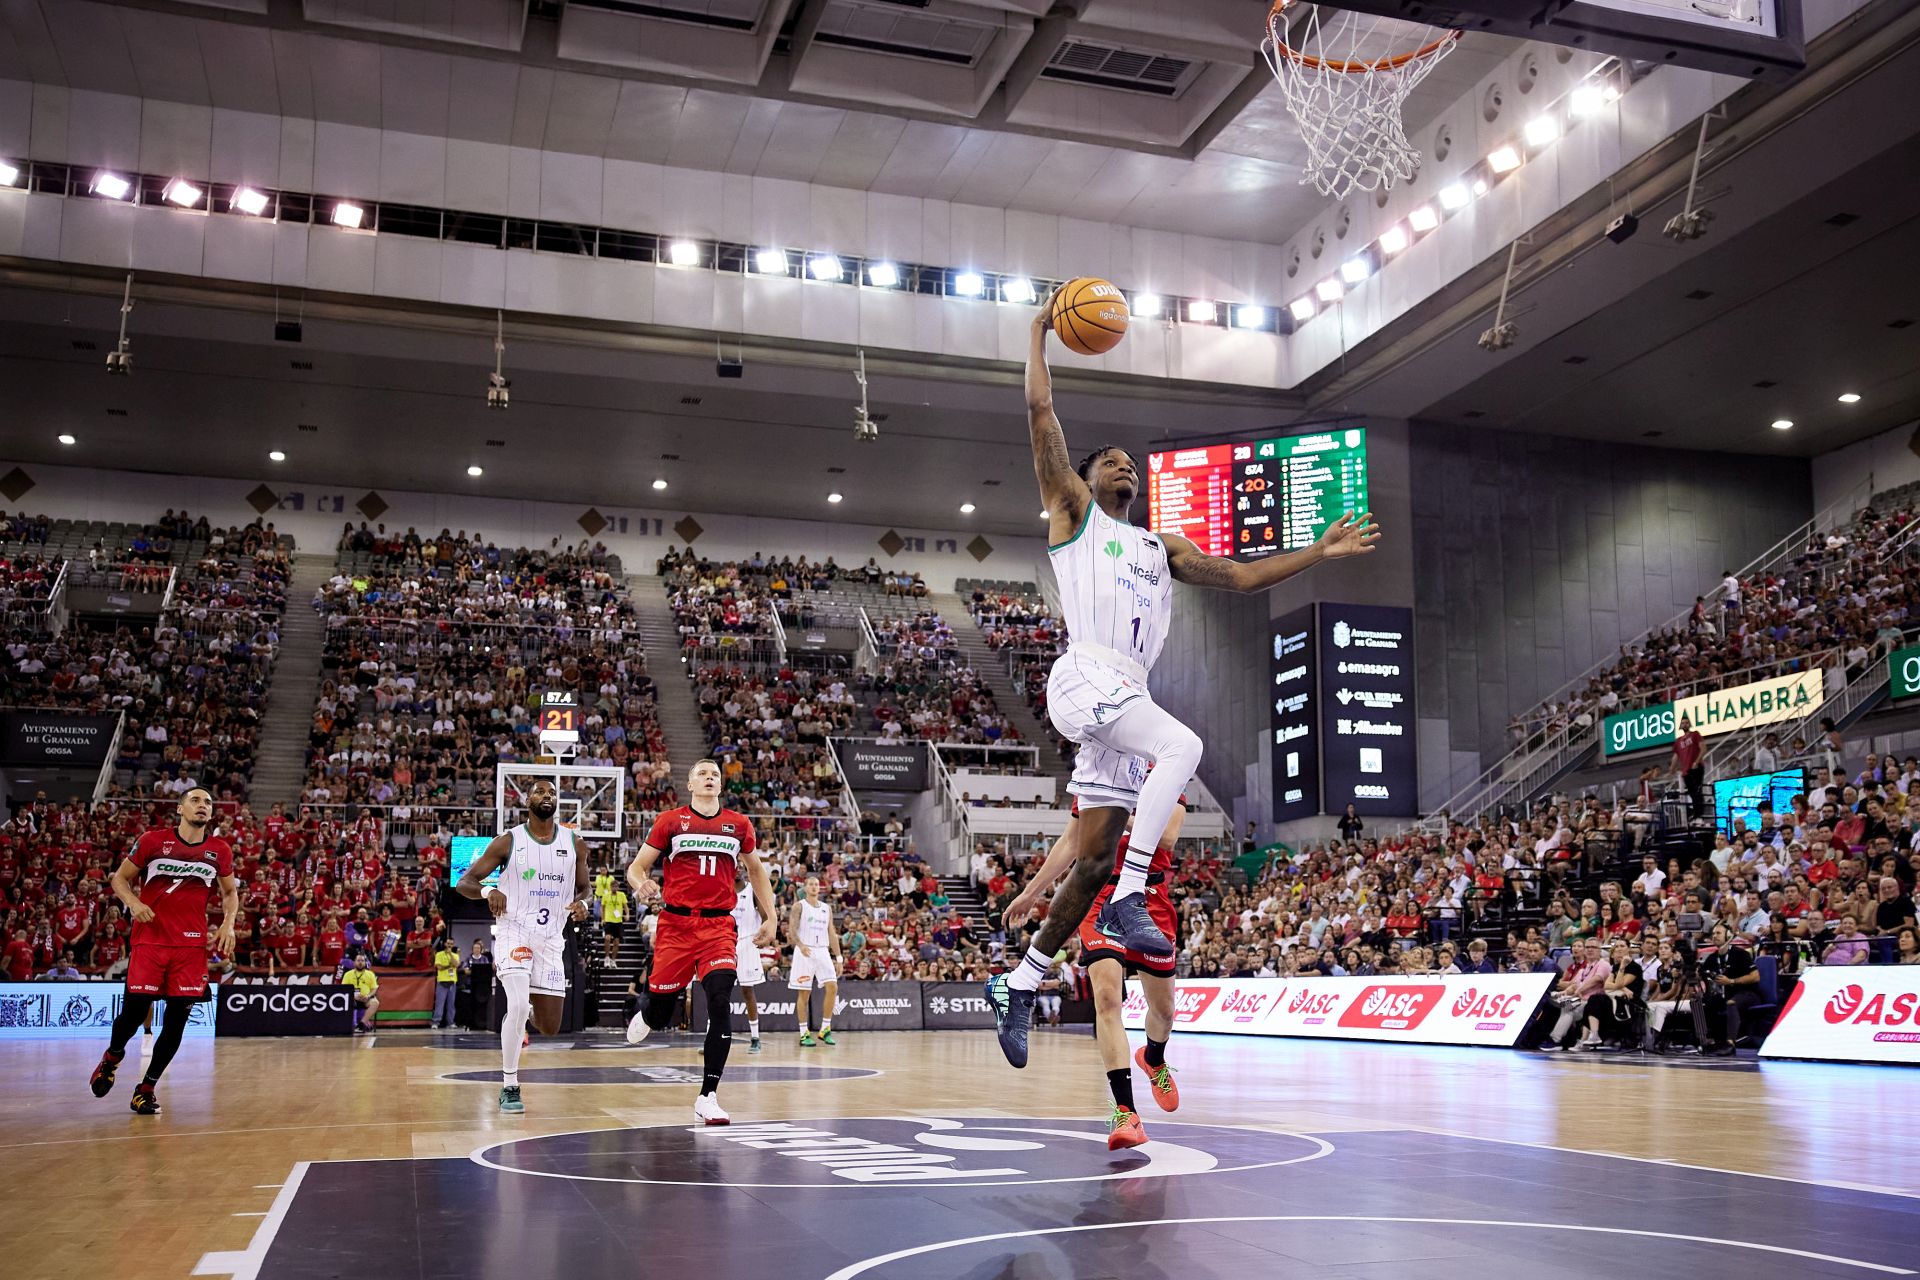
(688, 948)
(167, 971)
(1095, 945)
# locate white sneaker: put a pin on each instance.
(637, 1029)
(706, 1109)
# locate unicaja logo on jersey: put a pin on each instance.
(528, 874)
(1113, 548)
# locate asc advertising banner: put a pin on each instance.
(875, 764)
(858, 1006)
(55, 738)
(79, 1009)
(248, 1010)
(1851, 1013)
(1366, 710)
(1467, 1009)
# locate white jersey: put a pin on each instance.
(815, 920)
(1116, 589)
(746, 913)
(538, 880)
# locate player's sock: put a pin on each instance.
(514, 1026)
(1121, 1083)
(826, 1025)
(510, 1079)
(1156, 1052)
(753, 1028)
(1133, 872)
(1031, 971)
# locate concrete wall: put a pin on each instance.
(1873, 465)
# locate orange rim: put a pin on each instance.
(1337, 65)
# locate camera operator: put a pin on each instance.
(1731, 984)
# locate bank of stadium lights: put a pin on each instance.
(347, 215)
(1454, 197)
(1423, 219)
(825, 266)
(1504, 159)
(969, 284)
(1200, 311)
(1018, 289)
(883, 275)
(771, 262)
(1393, 240)
(9, 174)
(1541, 131)
(1330, 289)
(1303, 308)
(248, 201)
(1147, 306)
(1356, 269)
(1248, 316)
(683, 253)
(182, 193)
(111, 185)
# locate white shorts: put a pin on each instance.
(1084, 694)
(518, 949)
(812, 971)
(747, 968)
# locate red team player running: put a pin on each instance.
(176, 869)
(704, 844)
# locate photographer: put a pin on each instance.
(1731, 984)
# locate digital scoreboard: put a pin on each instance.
(1261, 497)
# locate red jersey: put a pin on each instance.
(702, 856)
(176, 881)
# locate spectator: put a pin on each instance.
(366, 999)
(446, 983)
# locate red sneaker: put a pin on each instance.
(101, 1081)
(1124, 1129)
(1165, 1091)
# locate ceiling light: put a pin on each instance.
(182, 193)
(770, 262)
(883, 275)
(1202, 312)
(276, 456)
(1423, 218)
(8, 174)
(67, 439)
(474, 471)
(1303, 307)
(1393, 239)
(1046, 515)
(1612, 92)
(1782, 424)
(660, 483)
(1586, 100)
(683, 253)
(1850, 397)
(1146, 305)
(111, 185)
(1541, 130)
(969, 284)
(1454, 196)
(1017, 289)
(966, 508)
(833, 497)
(249, 201)
(1479, 187)
(1249, 317)
(1503, 160)
(1354, 270)
(1330, 290)
(825, 266)
(349, 216)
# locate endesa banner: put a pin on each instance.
(1856, 1013)
(248, 1010)
(1475, 1009)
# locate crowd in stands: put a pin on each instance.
(1021, 627)
(26, 580)
(768, 729)
(921, 688)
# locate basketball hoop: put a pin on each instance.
(1345, 85)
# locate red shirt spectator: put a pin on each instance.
(331, 944)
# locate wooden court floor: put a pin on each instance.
(92, 1189)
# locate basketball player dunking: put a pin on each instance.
(704, 844)
(1116, 586)
(543, 884)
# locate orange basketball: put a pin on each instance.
(1090, 316)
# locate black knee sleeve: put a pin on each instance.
(719, 988)
(659, 1008)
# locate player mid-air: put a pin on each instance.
(1108, 965)
(543, 884)
(176, 869)
(704, 844)
(1116, 587)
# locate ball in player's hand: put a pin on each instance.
(1090, 315)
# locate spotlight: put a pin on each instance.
(1454, 197)
(1423, 219)
(865, 429)
(1393, 239)
(1689, 225)
(969, 284)
(834, 498)
(497, 394)
(1586, 100)
(67, 439)
(120, 360)
(1302, 308)
(660, 483)
(1621, 229)
(770, 262)
(1146, 305)
(182, 193)
(683, 253)
(1249, 317)
(276, 455)
(825, 266)
(1500, 337)
(8, 174)
(1354, 270)
(883, 275)
(1782, 424)
(1850, 397)
(1017, 289)
(475, 471)
(966, 508)
(1479, 187)
(1330, 289)
(1202, 312)
(249, 201)
(349, 216)
(111, 185)
(1542, 130)
(1503, 160)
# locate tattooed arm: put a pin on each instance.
(1347, 536)
(1066, 495)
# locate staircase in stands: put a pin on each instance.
(967, 900)
(280, 765)
(613, 978)
(679, 712)
(993, 671)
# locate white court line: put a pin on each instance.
(861, 1268)
(257, 1213)
(244, 1264)
(283, 1128)
(1668, 1162)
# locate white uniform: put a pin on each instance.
(538, 880)
(816, 970)
(748, 971)
(1116, 595)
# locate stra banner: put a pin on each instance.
(1851, 1013)
(1467, 1009)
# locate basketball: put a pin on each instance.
(1090, 315)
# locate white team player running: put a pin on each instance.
(748, 970)
(543, 884)
(1116, 592)
(816, 953)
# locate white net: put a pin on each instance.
(1345, 79)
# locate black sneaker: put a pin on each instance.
(1013, 1015)
(1125, 921)
(102, 1079)
(144, 1103)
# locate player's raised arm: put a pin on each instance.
(1065, 493)
(1350, 535)
(491, 859)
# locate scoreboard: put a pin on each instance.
(1259, 498)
